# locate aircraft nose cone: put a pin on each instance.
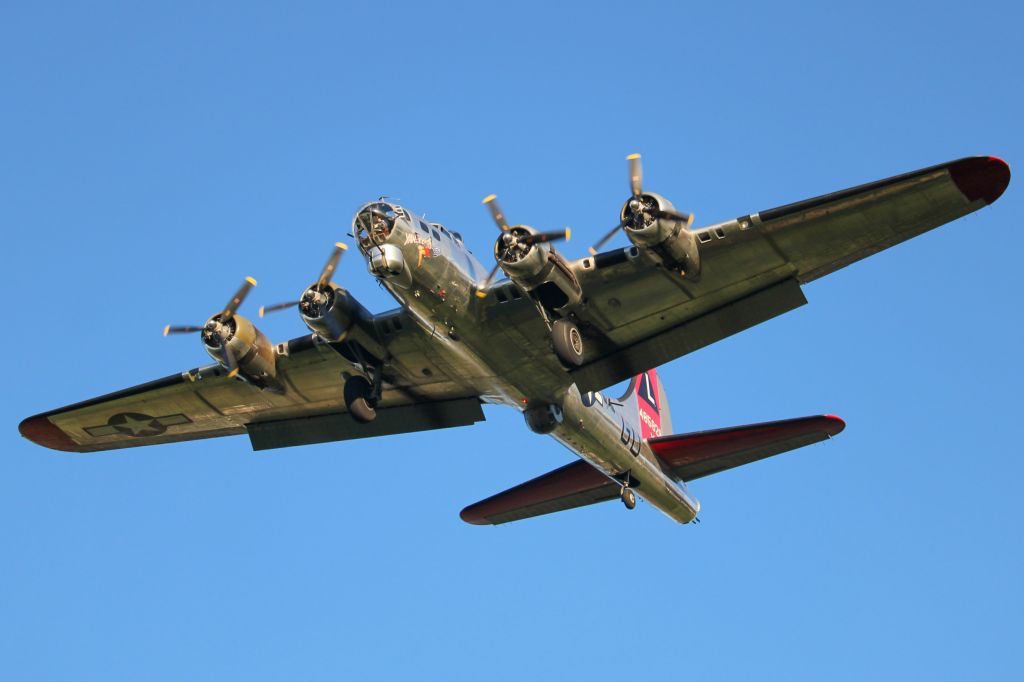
(373, 224)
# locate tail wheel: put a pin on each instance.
(568, 342)
(628, 498)
(358, 392)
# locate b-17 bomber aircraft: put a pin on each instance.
(545, 341)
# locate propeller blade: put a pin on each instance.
(236, 300)
(605, 239)
(264, 309)
(481, 292)
(542, 237)
(636, 174)
(499, 217)
(682, 217)
(181, 329)
(332, 264)
(229, 360)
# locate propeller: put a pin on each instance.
(313, 294)
(636, 174)
(219, 329)
(515, 240)
(639, 205)
(491, 201)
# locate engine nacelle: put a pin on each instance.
(652, 223)
(537, 268)
(335, 315)
(329, 311)
(250, 347)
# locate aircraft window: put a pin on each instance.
(362, 235)
(500, 295)
(374, 224)
(423, 226)
(457, 236)
(437, 236)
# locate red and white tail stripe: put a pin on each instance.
(652, 406)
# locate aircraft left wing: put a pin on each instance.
(751, 268)
(205, 403)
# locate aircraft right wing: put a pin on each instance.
(752, 267)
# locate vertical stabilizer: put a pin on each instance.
(652, 405)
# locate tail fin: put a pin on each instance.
(653, 415)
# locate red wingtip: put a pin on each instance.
(837, 425)
(468, 516)
(981, 177)
(42, 431)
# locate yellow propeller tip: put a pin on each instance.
(592, 250)
(250, 280)
(341, 246)
(632, 156)
(261, 310)
(568, 233)
(489, 198)
(167, 330)
(233, 373)
(481, 294)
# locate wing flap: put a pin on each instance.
(326, 428)
(694, 455)
(689, 336)
(575, 485)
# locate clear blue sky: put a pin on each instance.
(152, 157)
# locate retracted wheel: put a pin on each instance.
(568, 342)
(628, 497)
(359, 399)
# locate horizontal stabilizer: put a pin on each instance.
(693, 455)
(574, 485)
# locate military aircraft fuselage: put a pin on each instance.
(435, 278)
